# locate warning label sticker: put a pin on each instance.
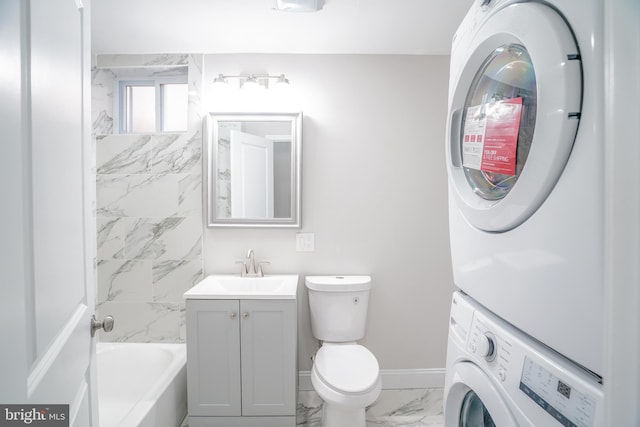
(490, 136)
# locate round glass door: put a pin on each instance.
(506, 75)
(474, 413)
(513, 114)
(473, 400)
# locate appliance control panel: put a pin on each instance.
(492, 346)
(563, 401)
(532, 374)
(541, 382)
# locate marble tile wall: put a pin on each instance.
(223, 200)
(148, 215)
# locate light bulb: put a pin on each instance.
(220, 80)
(252, 85)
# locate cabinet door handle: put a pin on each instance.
(233, 315)
(245, 315)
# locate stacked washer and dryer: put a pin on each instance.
(526, 207)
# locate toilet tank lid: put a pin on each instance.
(338, 283)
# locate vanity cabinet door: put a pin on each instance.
(269, 369)
(213, 357)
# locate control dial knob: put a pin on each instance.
(486, 346)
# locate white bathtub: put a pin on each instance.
(141, 384)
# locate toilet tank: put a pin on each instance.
(338, 306)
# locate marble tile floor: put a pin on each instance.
(394, 408)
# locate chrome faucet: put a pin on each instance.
(249, 266)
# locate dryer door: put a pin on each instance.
(473, 400)
(513, 115)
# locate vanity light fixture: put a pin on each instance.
(252, 83)
(298, 5)
(282, 80)
(220, 80)
(251, 80)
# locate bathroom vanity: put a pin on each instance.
(242, 351)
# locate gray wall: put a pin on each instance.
(374, 192)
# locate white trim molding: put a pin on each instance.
(393, 379)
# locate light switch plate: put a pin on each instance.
(305, 242)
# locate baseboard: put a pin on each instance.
(393, 379)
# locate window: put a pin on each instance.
(152, 105)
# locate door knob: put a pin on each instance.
(106, 324)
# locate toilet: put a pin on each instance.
(345, 374)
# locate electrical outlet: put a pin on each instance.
(305, 242)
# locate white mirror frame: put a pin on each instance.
(211, 139)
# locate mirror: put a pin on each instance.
(253, 169)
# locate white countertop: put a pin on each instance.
(230, 286)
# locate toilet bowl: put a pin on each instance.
(345, 375)
(347, 379)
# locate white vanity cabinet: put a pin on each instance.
(241, 362)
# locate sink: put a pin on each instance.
(228, 286)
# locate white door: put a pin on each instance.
(47, 273)
(251, 176)
(513, 115)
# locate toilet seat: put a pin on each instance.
(348, 369)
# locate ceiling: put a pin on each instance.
(414, 27)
